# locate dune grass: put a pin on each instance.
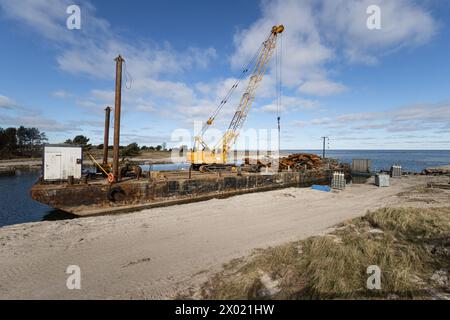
(408, 245)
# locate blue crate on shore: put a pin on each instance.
(321, 188)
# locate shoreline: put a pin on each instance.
(20, 164)
(166, 158)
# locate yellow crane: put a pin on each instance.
(204, 158)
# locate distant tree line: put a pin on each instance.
(21, 142)
(129, 151)
(28, 142)
(157, 148)
(79, 140)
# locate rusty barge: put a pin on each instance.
(95, 197)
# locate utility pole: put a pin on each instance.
(323, 150)
(106, 137)
(117, 107)
(279, 136)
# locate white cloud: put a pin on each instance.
(103, 95)
(19, 115)
(46, 17)
(7, 103)
(313, 122)
(321, 87)
(145, 107)
(91, 50)
(419, 117)
(144, 139)
(291, 104)
(91, 105)
(46, 124)
(403, 24)
(303, 52)
(142, 61)
(320, 32)
(62, 94)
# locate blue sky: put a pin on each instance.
(365, 89)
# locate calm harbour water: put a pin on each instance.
(16, 206)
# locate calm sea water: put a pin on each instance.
(16, 206)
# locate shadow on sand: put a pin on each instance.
(56, 215)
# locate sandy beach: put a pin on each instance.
(154, 254)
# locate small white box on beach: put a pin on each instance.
(61, 161)
(396, 171)
(382, 180)
(338, 181)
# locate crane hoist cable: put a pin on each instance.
(230, 92)
(279, 94)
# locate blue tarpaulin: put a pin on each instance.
(321, 188)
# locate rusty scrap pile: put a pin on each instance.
(436, 171)
(301, 161)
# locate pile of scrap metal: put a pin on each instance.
(308, 161)
(128, 168)
(436, 171)
(255, 165)
(301, 161)
(295, 162)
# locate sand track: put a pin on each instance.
(155, 253)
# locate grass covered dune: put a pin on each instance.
(410, 245)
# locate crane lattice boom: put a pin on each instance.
(218, 155)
